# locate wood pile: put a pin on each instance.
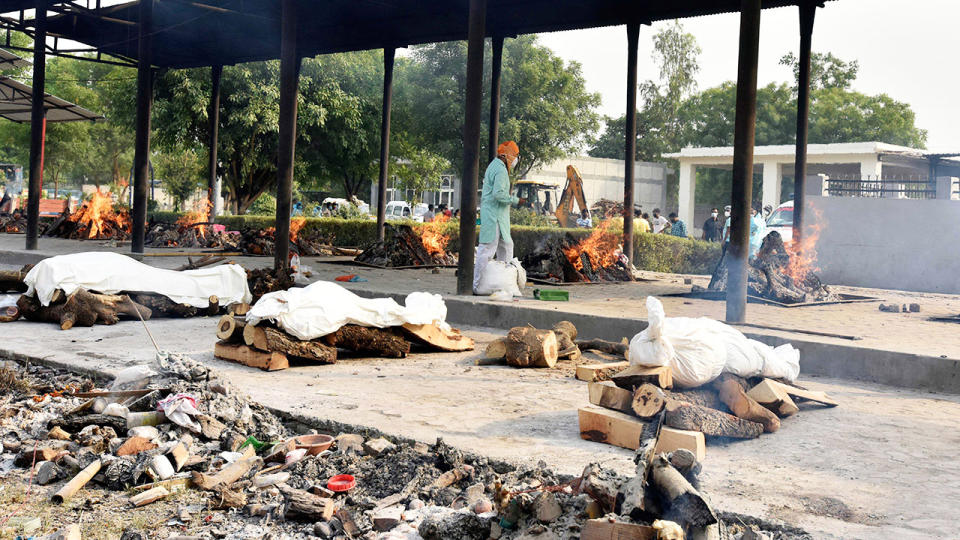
(14, 223)
(402, 246)
(605, 209)
(565, 259)
(776, 274)
(95, 219)
(528, 347)
(270, 348)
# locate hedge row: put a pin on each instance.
(653, 252)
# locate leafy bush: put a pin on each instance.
(526, 216)
(265, 205)
(350, 211)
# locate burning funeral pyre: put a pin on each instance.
(13, 223)
(596, 258)
(404, 246)
(95, 219)
(784, 274)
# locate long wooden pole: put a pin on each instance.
(807, 12)
(389, 54)
(141, 158)
(743, 138)
(37, 113)
(630, 139)
(471, 145)
(289, 86)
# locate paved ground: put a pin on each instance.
(900, 332)
(880, 465)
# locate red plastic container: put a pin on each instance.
(341, 482)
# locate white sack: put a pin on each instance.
(110, 273)
(500, 276)
(781, 362)
(323, 307)
(694, 350)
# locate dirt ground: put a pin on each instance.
(880, 465)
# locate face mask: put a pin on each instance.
(514, 162)
(726, 214)
(713, 215)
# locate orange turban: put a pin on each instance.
(508, 148)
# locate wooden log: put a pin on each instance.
(648, 400)
(369, 341)
(529, 347)
(9, 314)
(230, 328)
(611, 427)
(704, 396)
(76, 483)
(304, 505)
(604, 529)
(228, 498)
(82, 308)
(437, 338)
(162, 306)
(673, 439)
(566, 336)
(268, 361)
(633, 377)
(810, 395)
(635, 498)
(771, 395)
(682, 502)
(610, 347)
(213, 307)
(600, 372)
(730, 391)
(608, 395)
(228, 475)
(238, 308)
(12, 280)
(496, 349)
(149, 496)
(273, 340)
(710, 421)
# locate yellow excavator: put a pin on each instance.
(572, 191)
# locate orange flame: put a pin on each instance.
(803, 254)
(200, 214)
(602, 247)
(98, 217)
(432, 235)
(296, 224)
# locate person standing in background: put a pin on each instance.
(712, 227)
(658, 222)
(677, 227)
(495, 202)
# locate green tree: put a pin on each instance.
(180, 173)
(416, 169)
(826, 70)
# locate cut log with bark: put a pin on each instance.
(648, 400)
(704, 396)
(609, 347)
(248, 356)
(12, 280)
(437, 338)
(230, 328)
(604, 529)
(566, 340)
(529, 347)
(730, 391)
(710, 422)
(380, 342)
(611, 427)
(496, 349)
(683, 504)
(270, 339)
(161, 306)
(82, 308)
(9, 314)
(635, 376)
(303, 505)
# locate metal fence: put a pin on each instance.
(885, 188)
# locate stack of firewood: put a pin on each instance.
(269, 347)
(528, 347)
(402, 246)
(13, 223)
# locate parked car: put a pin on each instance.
(397, 210)
(781, 220)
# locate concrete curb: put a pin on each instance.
(817, 358)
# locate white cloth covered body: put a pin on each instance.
(323, 307)
(111, 273)
(698, 350)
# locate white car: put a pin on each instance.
(781, 220)
(397, 210)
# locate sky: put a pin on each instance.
(906, 49)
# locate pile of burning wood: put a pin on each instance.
(95, 219)
(564, 259)
(14, 223)
(404, 246)
(269, 347)
(780, 273)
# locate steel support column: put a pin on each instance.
(141, 158)
(743, 138)
(388, 61)
(630, 139)
(213, 186)
(471, 145)
(495, 71)
(807, 12)
(37, 114)
(289, 86)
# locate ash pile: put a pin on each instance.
(776, 273)
(402, 246)
(191, 456)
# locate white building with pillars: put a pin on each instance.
(861, 160)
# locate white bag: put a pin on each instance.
(500, 276)
(694, 349)
(781, 362)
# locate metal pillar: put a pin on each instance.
(37, 125)
(141, 158)
(494, 131)
(743, 138)
(471, 145)
(630, 139)
(807, 12)
(388, 57)
(289, 86)
(213, 191)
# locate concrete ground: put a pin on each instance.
(879, 465)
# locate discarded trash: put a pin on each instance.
(179, 409)
(551, 294)
(351, 278)
(341, 482)
(313, 444)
